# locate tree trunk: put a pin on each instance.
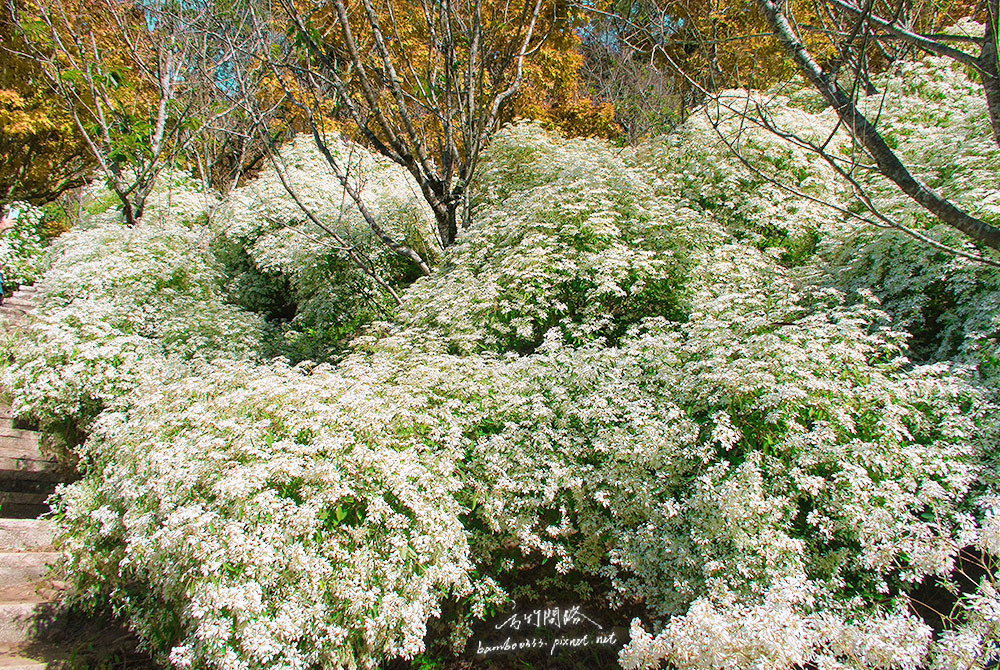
(989, 69)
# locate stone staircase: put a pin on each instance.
(27, 478)
(36, 634)
(15, 309)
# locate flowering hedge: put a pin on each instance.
(22, 247)
(266, 516)
(651, 370)
(936, 115)
(566, 236)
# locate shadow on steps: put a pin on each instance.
(70, 639)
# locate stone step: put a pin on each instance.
(24, 657)
(26, 535)
(20, 498)
(13, 439)
(25, 446)
(17, 620)
(22, 511)
(13, 470)
(36, 656)
(43, 483)
(17, 657)
(22, 459)
(19, 433)
(27, 468)
(30, 621)
(34, 592)
(23, 572)
(17, 505)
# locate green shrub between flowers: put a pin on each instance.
(277, 256)
(670, 381)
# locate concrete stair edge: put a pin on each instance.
(26, 555)
(34, 656)
(25, 567)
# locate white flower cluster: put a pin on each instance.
(783, 631)
(22, 247)
(566, 236)
(695, 168)
(277, 234)
(117, 300)
(938, 118)
(178, 199)
(268, 516)
(277, 254)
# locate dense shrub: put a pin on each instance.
(936, 116)
(286, 266)
(566, 237)
(118, 300)
(266, 516)
(22, 247)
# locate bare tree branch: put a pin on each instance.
(869, 137)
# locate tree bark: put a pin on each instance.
(390, 99)
(988, 66)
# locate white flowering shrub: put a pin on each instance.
(936, 117)
(573, 245)
(747, 446)
(178, 198)
(649, 376)
(22, 247)
(695, 168)
(783, 631)
(273, 517)
(972, 638)
(289, 268)
(114, 297)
